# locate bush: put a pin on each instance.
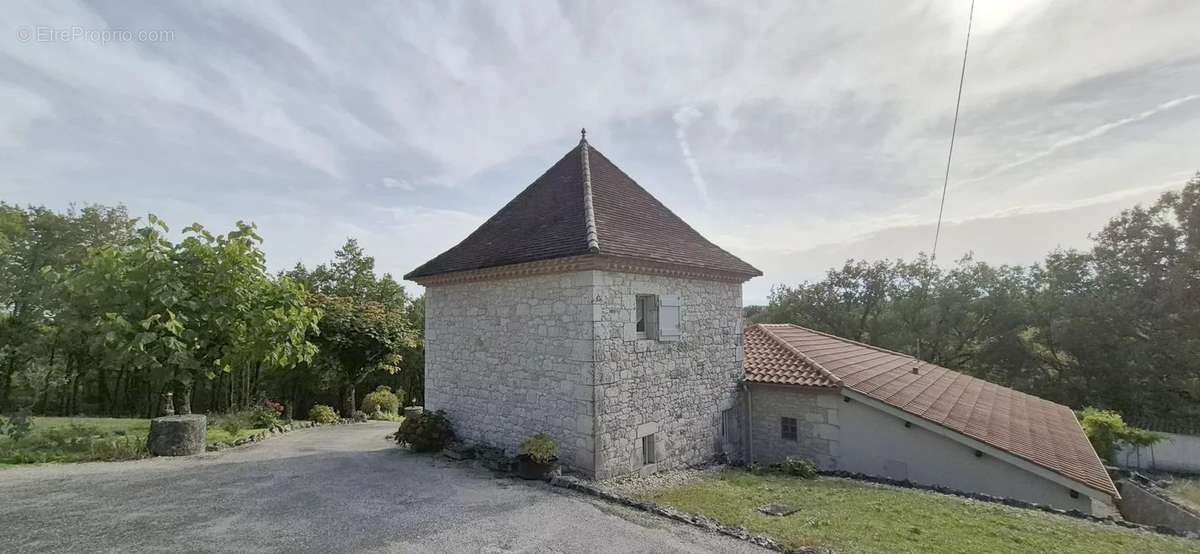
(323, 414)
(426, 432)
(540, 448)
(266, 414)
(379, 415)
(384, 400)
(798, 467)
(18, 426)
(359, 416)
(1107, 431)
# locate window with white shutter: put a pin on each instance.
(668, 317)
(647, 316)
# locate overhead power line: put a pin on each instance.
(953, 132)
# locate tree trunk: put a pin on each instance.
(348, 406)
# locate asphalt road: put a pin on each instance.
(331, 489)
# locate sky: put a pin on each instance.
(794, 134)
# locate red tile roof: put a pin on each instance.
(584, 205)
(1036, 430)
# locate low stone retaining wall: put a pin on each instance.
(1142, 503)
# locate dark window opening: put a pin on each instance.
(787, 428)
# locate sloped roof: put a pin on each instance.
(584, 205)
(1037, 430)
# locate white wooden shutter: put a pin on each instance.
(651, 318)
(668, 317)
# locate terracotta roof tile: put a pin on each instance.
(1036, 430)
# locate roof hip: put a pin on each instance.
(593, 239)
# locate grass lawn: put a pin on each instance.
(216, 434)
(78, 439)
(858, 517)
(1187, 490)
(87, 439)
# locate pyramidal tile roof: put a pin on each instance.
(1036, 430)
(584, 205)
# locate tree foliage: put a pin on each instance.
(101, 314)
(1117, 326)
(367, 328)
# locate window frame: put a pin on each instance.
(787, 424)
(649, 454)
(643, 305)
(727, 421)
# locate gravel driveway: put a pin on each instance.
(331, 489)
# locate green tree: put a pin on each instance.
(360, 338)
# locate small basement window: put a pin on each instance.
(648, 456)
(787, 428)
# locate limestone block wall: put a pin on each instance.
(513, 357)
(676, 390)
(817, 425)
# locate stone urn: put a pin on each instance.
(177, 435)
(527, 468)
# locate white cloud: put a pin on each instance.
(797, 125)
(684, 117)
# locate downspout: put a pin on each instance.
(749, 425)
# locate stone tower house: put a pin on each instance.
(587, 310)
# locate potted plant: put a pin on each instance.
(539, 457)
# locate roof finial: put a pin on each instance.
(583, 134)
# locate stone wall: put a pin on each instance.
(816, 415)
(676, 390)
(1140, 505)
(510, 358)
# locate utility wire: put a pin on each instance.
(953, 132)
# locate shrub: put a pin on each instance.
(266, 414)
(18, 426)
(323, 414)
(426, 432)
(359, 416)
(382, 399)
(1107, 431)
(540, 448)
(798, 467)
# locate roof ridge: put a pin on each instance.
(593, 239)
(863, 344)
(801, 355)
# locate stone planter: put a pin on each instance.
(534, 471)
